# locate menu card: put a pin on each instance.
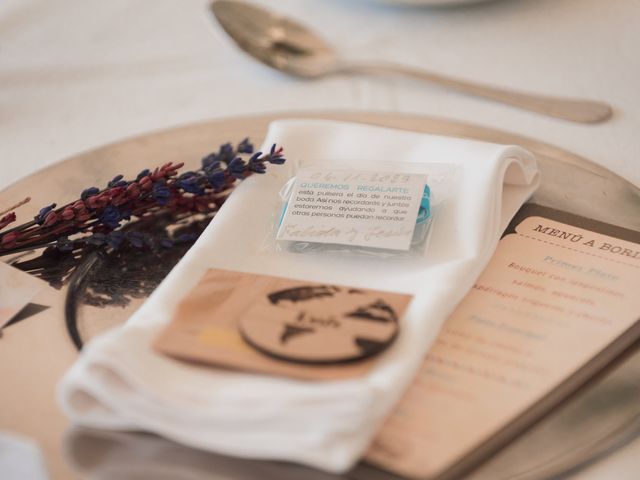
(558, 301)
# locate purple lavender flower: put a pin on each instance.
(236, 167)
(275, 156)
(161, 192)
(245, 146)
(216, 179)
(42, 214)
(144, 173)
(110, 217)
(191, 182)
(256, 164)
(88, 192)
(117, 182)
(211, 161)
(226, 153)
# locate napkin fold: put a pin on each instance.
(119, 382)
(20, 458)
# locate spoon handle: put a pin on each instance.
(576, 110)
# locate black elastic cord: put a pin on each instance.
(77, 283)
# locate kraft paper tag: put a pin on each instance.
(281, 326)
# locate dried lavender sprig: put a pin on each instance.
(152, 191)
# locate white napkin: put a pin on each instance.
(120, 383)
(20, 459)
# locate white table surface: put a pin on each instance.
(75, 74)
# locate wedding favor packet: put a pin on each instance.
(383, 209)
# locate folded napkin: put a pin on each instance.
(119, 382)
(20, 459)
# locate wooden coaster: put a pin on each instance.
(320, 324)
(283, 326)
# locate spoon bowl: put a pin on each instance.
(276, 41)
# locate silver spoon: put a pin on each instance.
(293, 48)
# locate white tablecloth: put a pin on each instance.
(75, 74)
(78, 73)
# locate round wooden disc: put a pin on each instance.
(321, 324)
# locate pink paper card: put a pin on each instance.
(17, 289)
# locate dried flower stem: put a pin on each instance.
(99, 213)
(16, 206)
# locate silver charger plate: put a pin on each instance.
(34, 353)
(431, 3)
